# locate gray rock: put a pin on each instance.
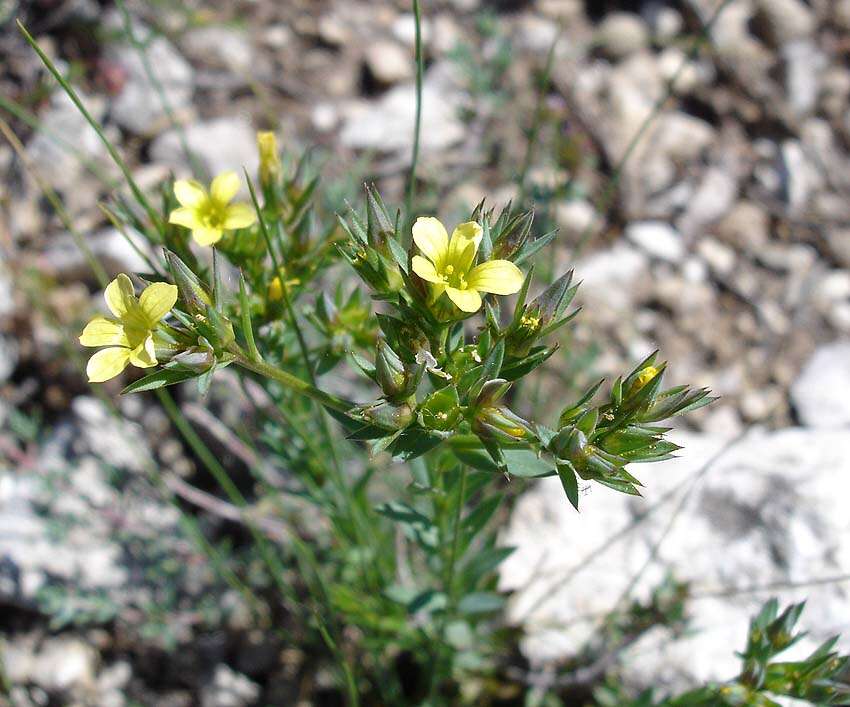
(66, 262)
(658, 239)
(8, 357)
(576, 217)
(386, 125)
(783, 21)
(719, 257)
(61, 124)
(831, 288)
(222, 144)
(800, 178)
(820, 392)
(621, 34)
(667, 24)
(768, 511)
(839, 245)
(229, 689)
(804, 64)
(388, 62)
(611, 278)
(746, 226)
(841, 14)
(7, 297)
(60, 664)
(535, 33)
(220, 48)
(712, 200)
(138, 107)
(404, 29)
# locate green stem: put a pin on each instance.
(154, 81)
(534, 132)
(608, 194)
(417, 129)
(32, 121)
(449, 588)
(270, 557)
(335, 466)
(58, 206)
(292, 382)
(113, 153)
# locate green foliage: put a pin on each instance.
(821, 678)
(383, 563)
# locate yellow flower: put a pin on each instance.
(448, 264)
(646, 375)
(269, 157)
(210, 214)
(130, 335)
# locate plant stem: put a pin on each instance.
(113, 153)
(32, 121)
(448, 585)
(58, 206)
(292, 382)
(534, 132)
(154, 81)
(607, 195)
(417, 128)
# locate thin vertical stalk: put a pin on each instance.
(110, 148)
(335, 467)
(56, 203)
(417, 127)
(449, 588)
(610, 188)
(537, 121)
(154, 81)
(187, 522)
(32, 121)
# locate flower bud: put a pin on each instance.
(197, 359)
(397, 379)
(389, 415)
(491, 392)
(270, 168)
(570, 444)
(501, 423)
(192, 292)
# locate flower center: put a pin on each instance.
(454, 279)
(212, 214)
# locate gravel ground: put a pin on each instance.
(725, 242)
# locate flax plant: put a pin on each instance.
(392, 502)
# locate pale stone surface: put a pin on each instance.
(387, 124)
(139, 107)
(227, 143)
(820, 393)
(658, 239)
(725, 516)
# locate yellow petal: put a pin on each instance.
(157, 300)
(431, 238)
(189, 192)
(119, 295)
(144, 355)
(425, 269)
(101, 331)
(185, 216)
(464, 245)
(437, 291)
(107, 363)
(207, 236)
(501, 277)
(239, 216)
(466, 300)
(224, 187)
